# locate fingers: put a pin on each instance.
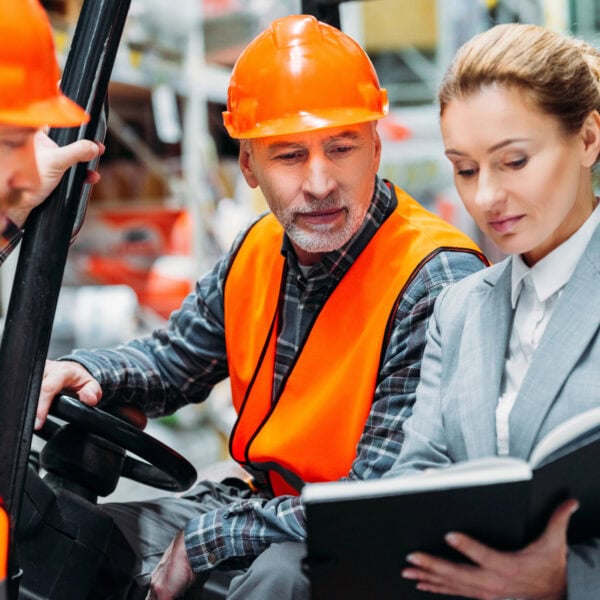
(536, 571)
(92, 177)
(68, 376)
(132, 415)
(476, 551)
(440, 576)
(83, 151)
(173, 574)
(556, 529)
(79, 151)
(476, 580)
(90, 392)
(53, 161)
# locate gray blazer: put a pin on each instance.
(454, 413)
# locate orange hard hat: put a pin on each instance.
(29, 73)
(301, 75)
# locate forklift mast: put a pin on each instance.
(45, 244)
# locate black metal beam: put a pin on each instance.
(44, 250)
(323, 10)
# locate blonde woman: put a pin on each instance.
(514, 350)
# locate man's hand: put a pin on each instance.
(52, 162)
(65, 376)
(173, 574)
(537, 572)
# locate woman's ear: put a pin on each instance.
(245, 161)
(590, 133)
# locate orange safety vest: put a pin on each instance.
(310, 432)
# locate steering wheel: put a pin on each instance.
(161, 466)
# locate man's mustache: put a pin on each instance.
(328, 203)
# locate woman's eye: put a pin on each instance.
(518, 163)
(466, 172)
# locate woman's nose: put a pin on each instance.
(489, 191)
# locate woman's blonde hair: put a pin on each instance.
(559, 73)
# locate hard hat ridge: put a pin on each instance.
(301, 75)
(290, 32)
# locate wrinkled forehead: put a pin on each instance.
(319, 136)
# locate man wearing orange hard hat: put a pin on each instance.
(31, 164)
(317, 315)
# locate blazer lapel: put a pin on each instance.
(574, 323)
(482, 353)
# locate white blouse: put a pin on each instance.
(535, 292)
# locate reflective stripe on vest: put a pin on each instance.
(310, 432)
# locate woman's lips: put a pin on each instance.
(504, 224)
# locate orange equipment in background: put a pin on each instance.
(148, 249)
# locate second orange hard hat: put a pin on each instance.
(301, 75)
(29, 73)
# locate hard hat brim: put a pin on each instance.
(58, 111)
(305, 122)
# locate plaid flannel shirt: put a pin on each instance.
(181, 363)
(8, 240)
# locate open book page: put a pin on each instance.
(573, 433)
(482, 471)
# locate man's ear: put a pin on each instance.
(245, 160)
(377, 157)
(590, 133)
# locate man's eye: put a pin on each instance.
(12, 144)
(289, 156)
(341, 150)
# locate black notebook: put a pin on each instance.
(359, 533)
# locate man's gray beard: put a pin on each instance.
(325, 240)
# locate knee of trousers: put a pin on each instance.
(278, 568)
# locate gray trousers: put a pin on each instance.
(145, 529)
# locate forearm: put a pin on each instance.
(131, 375)
(383, 436)
(243, 530)
(176, 365)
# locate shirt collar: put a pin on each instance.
(554, 270)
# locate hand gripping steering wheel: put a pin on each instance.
(161, 466)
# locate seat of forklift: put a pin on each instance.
(66, 543)
(68, 547)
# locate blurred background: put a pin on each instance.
(171, 198)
